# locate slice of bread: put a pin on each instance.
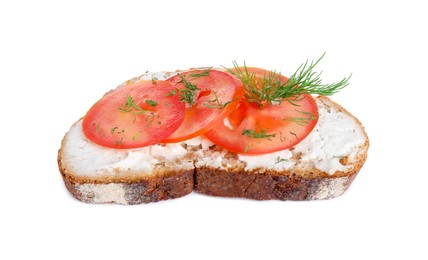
(322, 166)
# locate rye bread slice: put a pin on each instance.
(174, 177)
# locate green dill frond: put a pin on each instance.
(257, 135)
(213, 103)
(134, 137)
(273, 88)
(306, 118)
(151, 102)
(188, 92)
(279, 160)
(306, 81)
(130, 105)
(203, 73)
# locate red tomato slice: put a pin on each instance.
(213, 94)
(253, 130)
(135, 115)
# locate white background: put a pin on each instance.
(57, 58)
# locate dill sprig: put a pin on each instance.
(151, 102)
(215, 102)
(302, 120)
(306, 81)
(258, 135)
(200, 74)
(131, 105)
(188, 92)
(279, 160)
(273, 88)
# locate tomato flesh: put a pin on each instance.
(252, 129)
(136, 115)
(218, 93)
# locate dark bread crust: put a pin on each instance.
(165, 184)
(144, 191)
(269, 186)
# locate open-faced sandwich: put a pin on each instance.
(231, 132)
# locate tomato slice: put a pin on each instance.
(210, 95)
(135, 115)
(252, 129)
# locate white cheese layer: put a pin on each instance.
(89, 159)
